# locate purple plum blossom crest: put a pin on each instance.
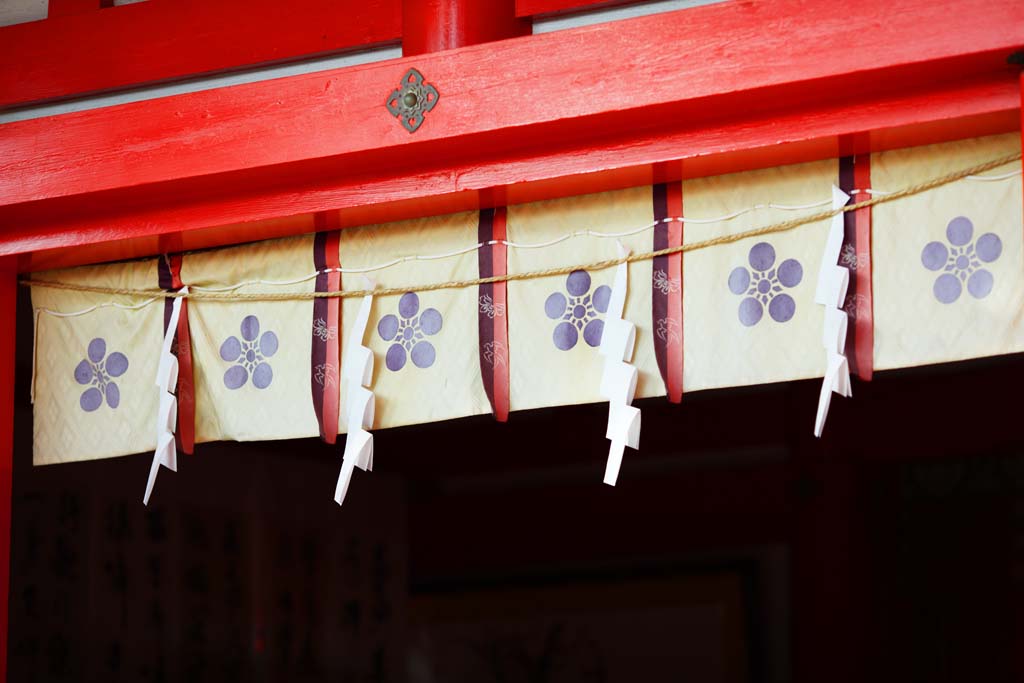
(98, 371)
(250, 354)
(408, 330)
(961, 261)
(578, 311)
(763, 285)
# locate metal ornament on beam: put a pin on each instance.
(410, 101)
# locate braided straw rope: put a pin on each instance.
(784, 226)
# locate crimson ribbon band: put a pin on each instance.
(492, 310)
(169, 277)
(667, 288)
(855, 173)
(325, 363)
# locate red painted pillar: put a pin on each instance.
(435, 25)
(8, 304)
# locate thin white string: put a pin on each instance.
(273, 283)
(106, 304)
(989, 178)
(457, 252)
(976, 178)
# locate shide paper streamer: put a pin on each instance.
(619, 377)
(357, 372)
(166, 452)
(833, 281)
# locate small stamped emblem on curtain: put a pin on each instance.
(495, 353)
(578, 311)
(961, 261)
(323, 331)
(408, 332)
(98, 371)
(249, 355)
(764, 285)
(489, 308)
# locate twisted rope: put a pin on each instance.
(773, 228)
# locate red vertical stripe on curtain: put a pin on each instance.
(855, 174)
(169, 274)
(325, 360)
(864, 324)
(492, 310)
(667, 287)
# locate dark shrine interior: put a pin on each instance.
(736, 547)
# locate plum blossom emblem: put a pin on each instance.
(961, 261)
(408, 331)
(763, 285)
(98, 371)
(578, 311)
(250, 354)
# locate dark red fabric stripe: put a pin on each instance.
(169, 277)
(855, 255)
(325, 351)
(492, 319)
(865, 322)
(667, 289)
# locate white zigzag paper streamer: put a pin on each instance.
(357, 369)
(833, 281)
(166, 452)
(619, 377)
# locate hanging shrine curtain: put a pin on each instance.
(934, 277)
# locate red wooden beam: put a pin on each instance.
(164, 40)
(64, 8)
(529, 8)
(319, 141)
(435, 25)
(102, 229)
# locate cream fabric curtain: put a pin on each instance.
(948, 284)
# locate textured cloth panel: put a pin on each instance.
(948, 263)
(252, 369)
(734, 334)
(947, 277)
(551, 365)
(425, 344)
(95, 392)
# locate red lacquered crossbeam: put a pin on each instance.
(326, 141)
(529, 8)
(83, 51)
